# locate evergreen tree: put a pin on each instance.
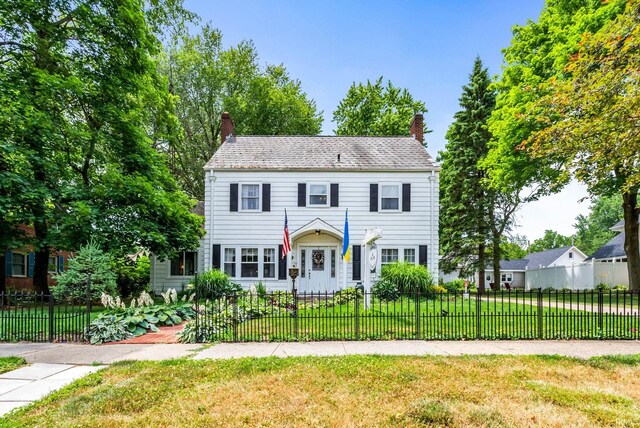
(465, 204)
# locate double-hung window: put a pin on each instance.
(184, 264)
(389, 197)
(410, 255)
(507, 277)
(19, 264)
(230, 262)
(53, 264)
(250, 197)
(318, 195)
(249, 263)
(269, 265)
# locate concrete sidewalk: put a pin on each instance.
(27, 384)
(58, 353)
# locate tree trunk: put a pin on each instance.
(496, 259)
(41, 267)
(482, 263)
(631, 238)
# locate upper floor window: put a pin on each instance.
(184, 264)
(318, 195)
(390, 197)
(19, 264)
(250, 197)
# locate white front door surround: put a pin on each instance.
(320, 268)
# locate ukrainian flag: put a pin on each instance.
(346, 251)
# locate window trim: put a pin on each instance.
(234, 262)
(25, 258)
(257, 262)
(415, 255)
(259, 208)
(390, 248)
(398, 186)
(264, 262)
(195, 266)
(327, 187)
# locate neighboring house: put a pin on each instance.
(179, 271)
(514, 272)
(612, 251)
(385, 182)
(19, 264)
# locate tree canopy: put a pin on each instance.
(377, 109)
(549, 241)
(589, 120)
(76, 143)
(207, 79)
(465, 204)
(592, 231)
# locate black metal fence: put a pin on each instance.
(39, 317)
(514, 314)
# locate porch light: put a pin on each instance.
(317, 231)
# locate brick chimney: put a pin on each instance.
(417, 127)
(226, 127)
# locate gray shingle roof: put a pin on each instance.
(613, 248)
(534, 260)
(321, 153)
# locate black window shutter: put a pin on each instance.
(215, 257)
(357, 265)
(282, 264)
(422, 255)
(335, 195)
(266, 197)
(406, 197)
(31, 264)
(302, 194)
(233, 197)
(373, 197)
(8, 258)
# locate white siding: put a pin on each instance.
(161, 280)
(265, 229)
(564, 260)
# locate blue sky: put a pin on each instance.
(427, 47)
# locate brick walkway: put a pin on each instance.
(167, 334)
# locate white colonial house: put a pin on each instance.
(389, 183)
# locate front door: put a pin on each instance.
(320, 269)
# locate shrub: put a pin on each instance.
(90, 260)
(347, 295)
(214, 284)
(439, 289)
(409, 278)
(621, 287)
(457, 285)
(602, 287)
(108, 328)
(385, 290)
(132, 277)
(261, 289)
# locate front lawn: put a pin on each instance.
(8, 364)
(473, 391)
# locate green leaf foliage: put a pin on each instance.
(593, 230)
(465, 203)
(408, 278)
(90, 262)
(79, 91)
(549, 241)
(206, 79)
(376, 109)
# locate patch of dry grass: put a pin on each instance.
(474, 391)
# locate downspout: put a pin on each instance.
(209, 198)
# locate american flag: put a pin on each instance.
(286, 246)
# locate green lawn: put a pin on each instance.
(442, 318)
(351, 391)
(33, 322)
(11, 363)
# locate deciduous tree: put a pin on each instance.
(75, 81)
(549, 241)
(376, 109)
(207, 79)
(589, 121)
(593, 230)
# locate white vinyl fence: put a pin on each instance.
(579, 276)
